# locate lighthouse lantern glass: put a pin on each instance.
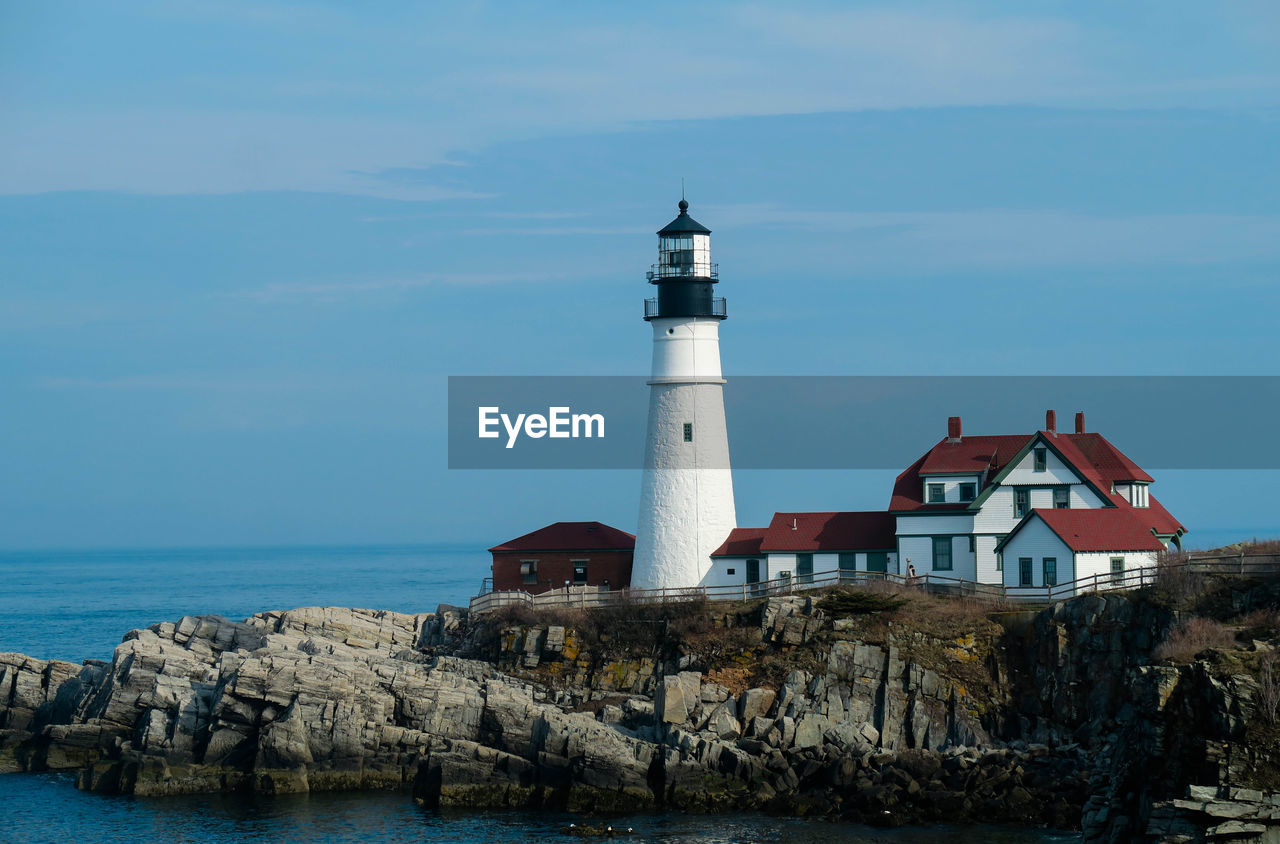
(684, 254)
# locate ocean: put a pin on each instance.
(78, 604)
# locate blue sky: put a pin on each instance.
(243, 245)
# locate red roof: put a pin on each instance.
(1096, 460)
(830, 532)
(742, 542)
(1105, 529)
(1109, 461)
(571, 536)
(1157, 518)
(971, 454)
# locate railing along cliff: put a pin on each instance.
(593, 596)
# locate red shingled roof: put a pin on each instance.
(830, 532)
(971, 454)
(571, 536)
(1106, 529)
(1096, 460)
(742, 542)
(1109, 461)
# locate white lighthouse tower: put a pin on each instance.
(686, 496)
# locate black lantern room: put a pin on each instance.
(684, 273)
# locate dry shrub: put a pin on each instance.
(1269, 687)
(847, 602)
(1178, 584)
(1190, 637)
(1260, 624)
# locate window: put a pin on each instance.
(973, 544)
(1042, 459)
(529, 571)
(804, 568)
(848, 561)
(753, 571)
(688, 432)
(968, 492)
(1050, 571)
(1021, 502)
(1117, 569)
(1024, 571)
(579, 572)
(1061, 498)
(942, 553)
(937, 495)
(1141, 496)
(731, 571)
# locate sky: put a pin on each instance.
(243, 245)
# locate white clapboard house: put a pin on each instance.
(1022, 510)
(972, 504)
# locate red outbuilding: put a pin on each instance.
(564, 553)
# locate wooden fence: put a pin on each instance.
(936, 584)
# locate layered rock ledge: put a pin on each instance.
(1053, 718)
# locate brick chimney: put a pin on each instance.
(953, 429)
(1051, 421)
(1080, 422)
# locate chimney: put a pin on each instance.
(1080, 422)
(953, 429)
(1051, 421)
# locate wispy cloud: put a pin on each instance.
(1020, 239)
(373, 102)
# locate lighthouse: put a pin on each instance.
(686, 493)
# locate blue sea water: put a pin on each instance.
(77, 604)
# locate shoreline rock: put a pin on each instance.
(327, 698)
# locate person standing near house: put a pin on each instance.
(911, 575)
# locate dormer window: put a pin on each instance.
(1042, 459)
(937, 493)
(968, 492)
(1141, 496)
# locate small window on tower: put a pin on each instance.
(688, 432)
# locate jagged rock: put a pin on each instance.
(755, 703)
(325, 698)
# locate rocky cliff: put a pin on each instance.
(879, 711)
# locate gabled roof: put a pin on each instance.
(571, 536)
(970, 455)
(1098, 463)
(1104, 529)
(742, 542)
(857, 531)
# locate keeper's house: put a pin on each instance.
(564, 554)
(974, 508)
